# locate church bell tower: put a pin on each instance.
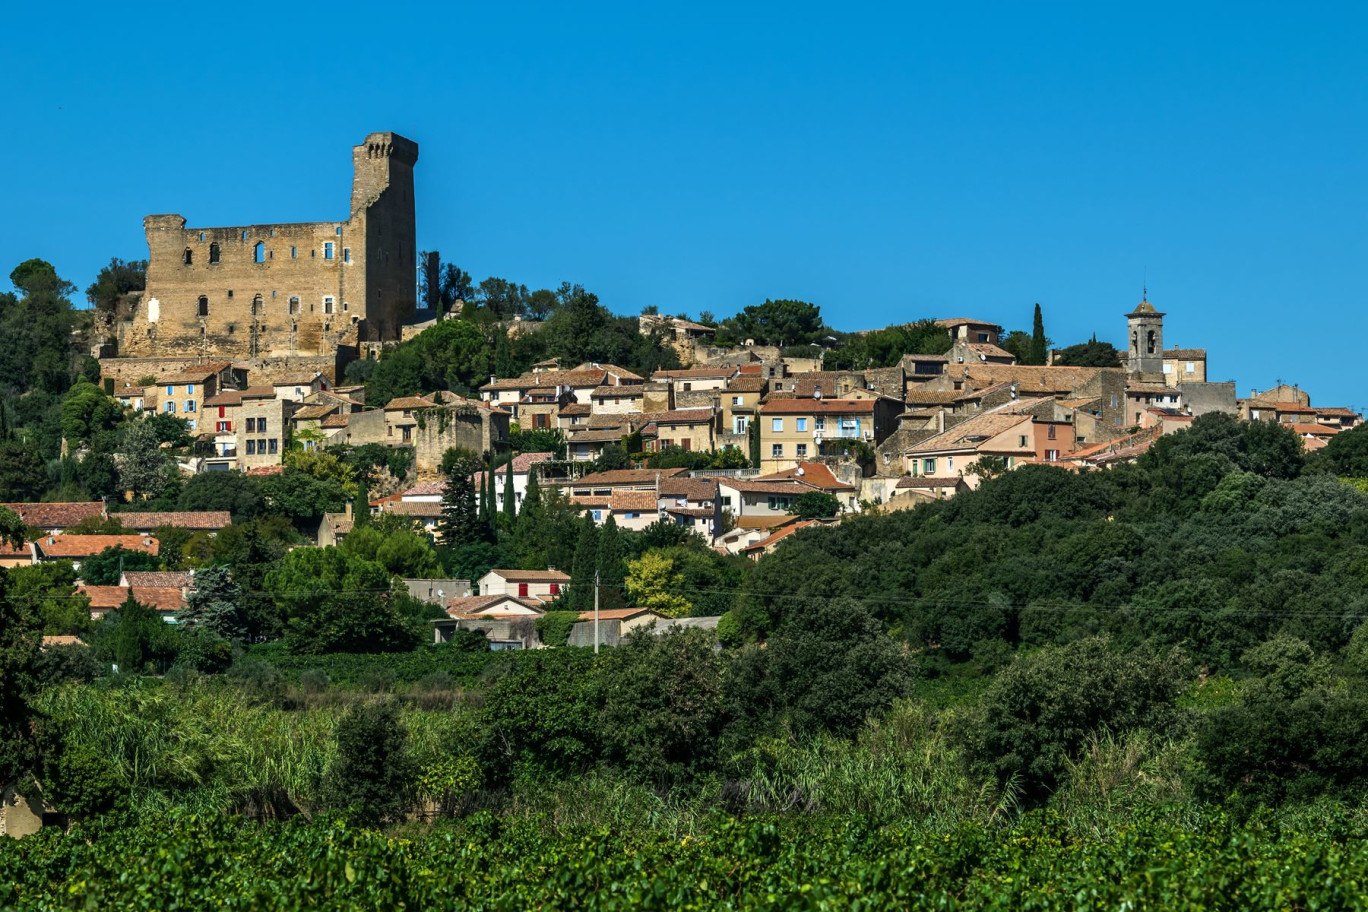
(1145, 335)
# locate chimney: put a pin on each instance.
(347, 510)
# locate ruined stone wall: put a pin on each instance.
(466, 427)
(284, 289)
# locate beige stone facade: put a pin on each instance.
(275, 290)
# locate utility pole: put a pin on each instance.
(596, 611)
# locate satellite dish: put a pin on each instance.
(800, 471)
(439, 593)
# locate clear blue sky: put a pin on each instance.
(887, 163)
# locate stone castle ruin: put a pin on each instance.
(322, 289)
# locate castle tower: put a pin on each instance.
(382, 211)
(1145, 337)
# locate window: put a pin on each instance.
(251, 448)
(213, 254)
(522, 590)
(328, 305)
(328, 250)
(189, 257)
(259, 252)
(777, 425)
(256, 305)
(598, 515)
(223, 426)
(555, 588)
(950, 463)
(261, 425)
(170, 408)
(736, 400)
(1051, 432)
(201, 235)
(294, 304)
(780, 502)
(190, 425)
(1190, 367)
(271, 445)
(203, 306)
(1052, 455)
(740, 424)
(983, 337)
(630, 515)
(408, 433)
(802, 450)
(777, 451)
(688, 387)
(294, 252)
(346, 254)
(1168, 368)
(338, 231)
(819, 424)
(170, 390)
(802, 424)
(1149, 341)
(190, 405)
(928, 467)
(244, 235)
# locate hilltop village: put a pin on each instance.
(279, 351)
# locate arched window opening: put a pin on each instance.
(259, 252)
(256, 305)
(294, 304)
(213, 254)
(203, 306)
(1149, 341)
(189, 256)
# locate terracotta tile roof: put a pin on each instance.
(969, 434)
(747, 383)
(470, 606)
(258, 392)
(335, 421)
(619, 614)
(1314, 430)
(1338, 412)
(56, 515)
(315, 412)
(988, 350)
(576, 408)
(425, 489)
(205, 520)
(607, 435)
(418, 508)
(58, 640)
(816, 474)
(532, 576)
(523, 462)
(259, 471)
(777, 536)
(1150, 388)
(409, 403)
(818, 406)
(971, 395)
(1186, 354)
(697, 373)
(1029, 378)
(160, 579)
(616, 370)
(624, 477)
(747, 486)
(950, 322)
(931, 397)
(164, 599)
(619, 502)
(927, 482)
(703, 415)
(541, 379)
(696, 489)
(78, 546)
(187, 376)
(631, 391)
(939, 359)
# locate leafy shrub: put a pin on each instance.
(373, 775)
(554, 626)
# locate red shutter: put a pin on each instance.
(555, 588)
(221, 411)
(522, 590)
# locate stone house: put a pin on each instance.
(688, 429)
(794, 430)
(182, 395)
(260, 434)
(541, 585)
(1010, 433)
(633, 510)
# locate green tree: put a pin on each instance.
(303, 497)
(20, 636)
(237, 492)
(460, 524)
(103, 569)
(87, 412)
(49, 589)
(1089, 354)
(653, 583)
(115, 281)
(815, 505)
(143, 467)
(610, 565)
(510, 502)
(215, 603)
(781, 322)
(23, 474)
(1038, 714)
(335, 602)
(1039, 351)
(585, 565)
(373, 775)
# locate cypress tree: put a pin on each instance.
(361, 515)
(460, 523)
(583, 567)
(1038, 351)
(491, 514)
(510, 503)
(610, 566)
(527, 531)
